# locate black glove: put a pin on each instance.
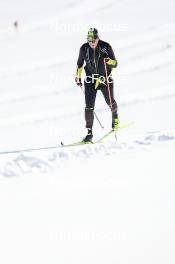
(78, 81)
(104, 54)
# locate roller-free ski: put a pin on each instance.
(100, 140)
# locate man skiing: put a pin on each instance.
(100, 60)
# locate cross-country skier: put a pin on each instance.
(16, 24)
(100, 60)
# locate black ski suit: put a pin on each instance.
(96, 77)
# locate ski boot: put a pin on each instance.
(115, 124)
(89, 136)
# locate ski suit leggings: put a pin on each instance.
(90, 97)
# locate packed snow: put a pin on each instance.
(112, 202)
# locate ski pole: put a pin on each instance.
(109, 93)
(94, 111)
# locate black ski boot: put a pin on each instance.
(89, 136)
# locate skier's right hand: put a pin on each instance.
(78, 81)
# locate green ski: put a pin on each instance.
(79, 143)
(100, 140)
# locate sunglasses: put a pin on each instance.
(92, 41)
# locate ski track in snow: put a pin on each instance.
(46, 159)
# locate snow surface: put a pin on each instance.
(102, 203)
